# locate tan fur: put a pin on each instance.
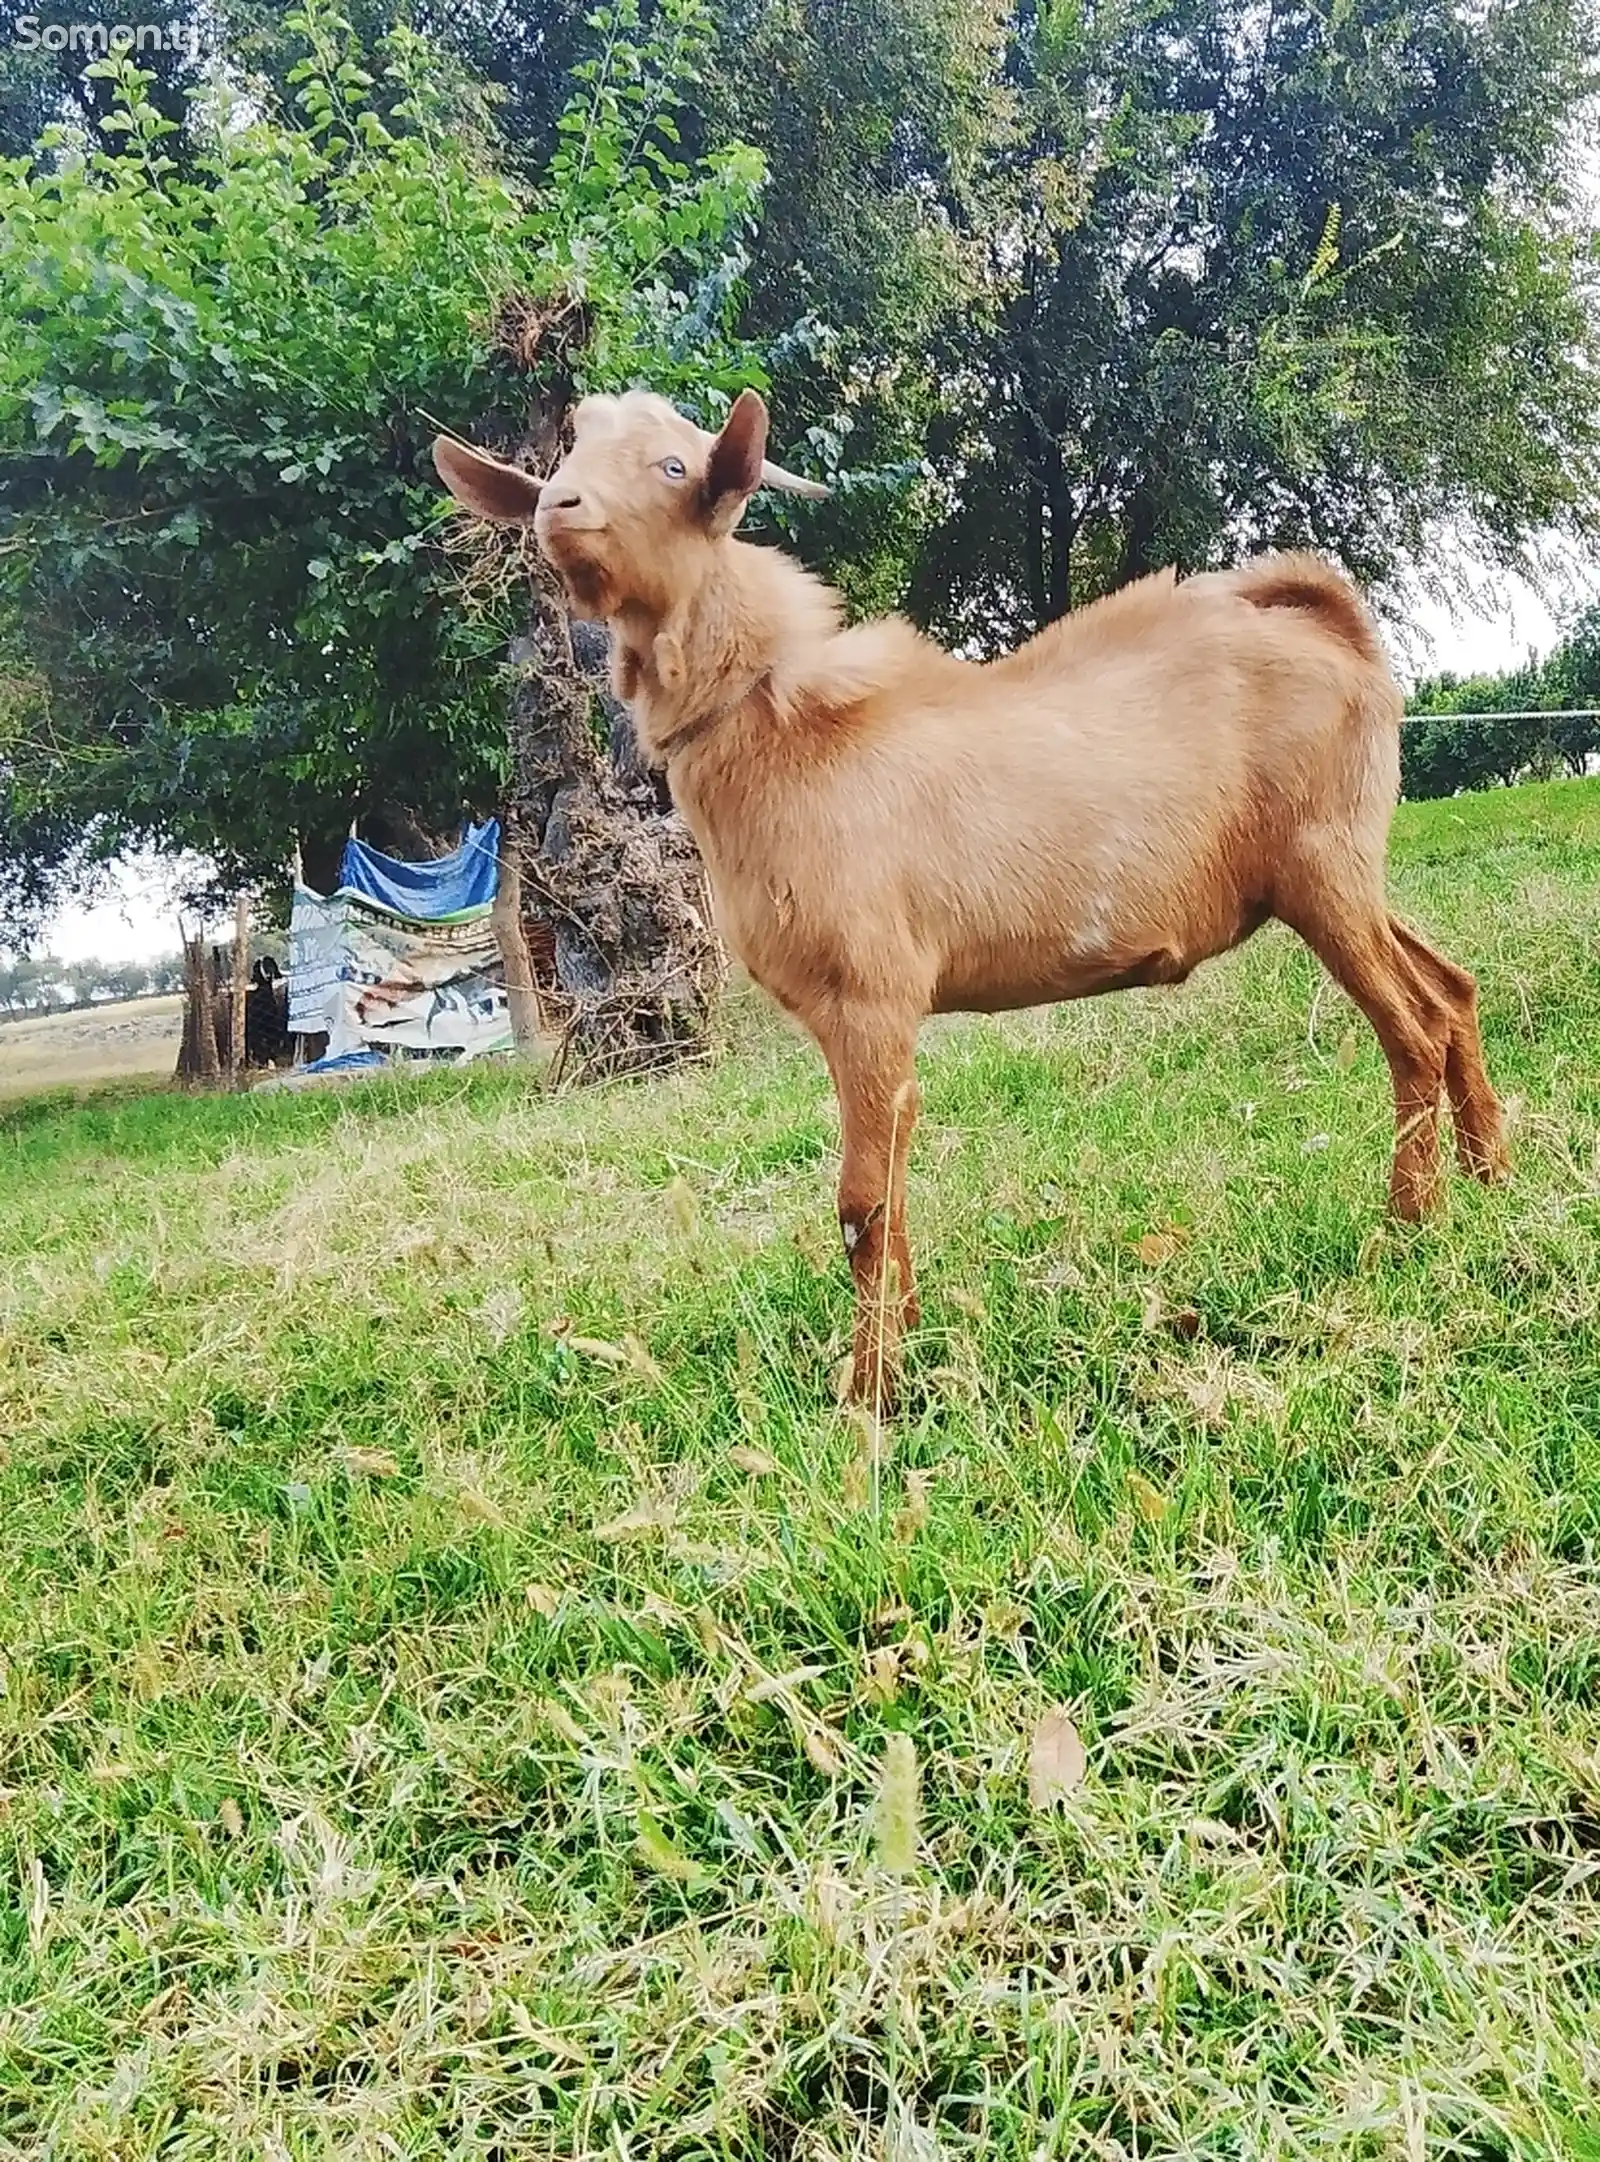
(892, 832)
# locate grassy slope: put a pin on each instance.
(419, 1737)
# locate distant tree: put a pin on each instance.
(1489, 730)
(1294, 275)
(28, 985)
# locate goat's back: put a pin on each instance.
(1116, 795)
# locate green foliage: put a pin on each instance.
(1529, 721)
(1251, 278)
(215, 407)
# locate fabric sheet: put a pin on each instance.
(366, 977)
(428, 892)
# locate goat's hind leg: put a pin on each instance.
(1355, 943)
(1474, 1106)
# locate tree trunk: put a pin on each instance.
(631, 965)
(197, 1053)
(1138, 536)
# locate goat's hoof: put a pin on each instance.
(1489, 1166)
(1412, 1200)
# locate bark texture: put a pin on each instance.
(626, 962)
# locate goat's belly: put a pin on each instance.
(991, 990)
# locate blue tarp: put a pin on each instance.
(427, 891)
(345, 1061)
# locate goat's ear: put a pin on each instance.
(737, 456)
(484, 485)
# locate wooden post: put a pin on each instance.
(522, 994)
(206, 1015)
(241, 984)
(197, 1058)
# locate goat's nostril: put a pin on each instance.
(569, 501)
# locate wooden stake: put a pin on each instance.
(241, 983)
(206, 1018)
(522, 993)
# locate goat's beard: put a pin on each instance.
(585, 583)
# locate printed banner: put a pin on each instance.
(316, 956)
(430, 990)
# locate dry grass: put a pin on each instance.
(135, 1040)
(452, 1643)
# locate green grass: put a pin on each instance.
(423, 1736)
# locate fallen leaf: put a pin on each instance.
(756, 1462)
(1315, 1145)
(1185, 1322)
(664, 1857)
(1159, 1246)
(369, 1463)
(543, 1598)
(843, 1374)
(1151, 1503)
(1345, 1057)
(230, 1817)
(1056, 1760)
(638, 1522)
(967, 1302)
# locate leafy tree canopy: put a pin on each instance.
(223, 618)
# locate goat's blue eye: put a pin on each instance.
(672, 467)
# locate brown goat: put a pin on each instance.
(892, 832)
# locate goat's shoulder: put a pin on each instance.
(887, 661)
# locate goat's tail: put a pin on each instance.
(1314, 587)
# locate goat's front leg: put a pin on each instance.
(872, 1058)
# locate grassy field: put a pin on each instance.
(450, 1643)
(132, 1040)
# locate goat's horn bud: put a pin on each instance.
(775, 476)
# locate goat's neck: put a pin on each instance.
(752, 616)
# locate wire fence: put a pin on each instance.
(1511, 713)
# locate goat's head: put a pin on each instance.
(630, 513)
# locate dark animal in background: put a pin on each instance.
(266, 1015)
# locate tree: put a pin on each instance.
(215, 517)
(224, 618)
(1296, 275)
(1486, 731)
